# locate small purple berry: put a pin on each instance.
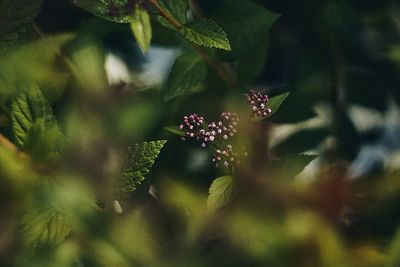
(258, 102)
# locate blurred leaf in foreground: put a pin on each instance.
(44, 226)
(34, 62)
(15, 17)
(27, 109)
(88, 57)
(35, 127)
(15, 172)
(141, 28)
(133, 232)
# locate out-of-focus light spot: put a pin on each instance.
(116, 70)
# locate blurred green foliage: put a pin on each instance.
(87, 178)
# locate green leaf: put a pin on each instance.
(93, 79)
(34, 125)
(44, 226)
(176, 9)
(44, 67)
(301, 141)
(141, 28)
(220, 192)
(175, 130)
(27, 109)
(246, 23)
(44, 140)
(393, 258)
(252, 64)
(295, 164)
(291, 165)
(188, 72)
(137, 163)
(120, 11)
(274, 103)
(205, 32)
(15, 17)
(16, 172)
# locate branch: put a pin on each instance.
(165, 15)
(222, 71)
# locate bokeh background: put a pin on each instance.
(321, 183)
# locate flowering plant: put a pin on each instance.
(217, 135)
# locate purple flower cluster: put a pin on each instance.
(225, 157)
(192, 125)
(225, 128)
(258, 102)
(195, 127)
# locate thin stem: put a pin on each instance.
(221, 69)
(38, 30)
(165, 15)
